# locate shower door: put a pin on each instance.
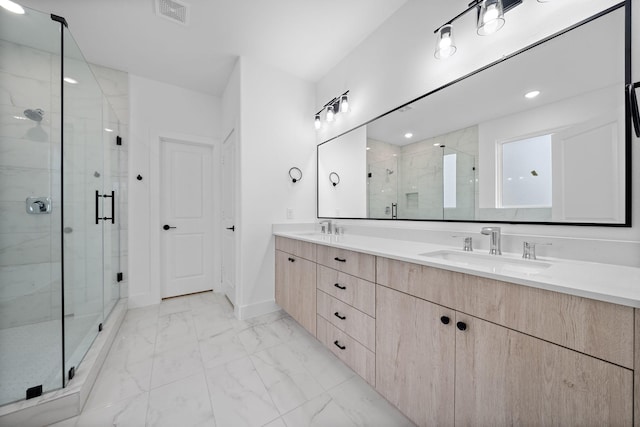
(85, 208)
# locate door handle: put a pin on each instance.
(167, 226)
(232, 228)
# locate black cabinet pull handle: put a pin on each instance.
(337, 314)
(167, 227)
(232, 228)
(292, 260)
(462, 326)
(337, 344)
(340, 259)
(445, 320)
(337, 285)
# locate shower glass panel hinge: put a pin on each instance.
(34, 392)
(119, 277)
(100, 327)
(118, 140)
(72, 373)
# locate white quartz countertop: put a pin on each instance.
(605, 282)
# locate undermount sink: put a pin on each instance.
(490, 263)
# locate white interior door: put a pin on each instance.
(187, 218)
(229, 218)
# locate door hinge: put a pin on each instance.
(34, 392)
(118, 140)
(119, 277)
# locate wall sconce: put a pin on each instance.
(490, 19)
(339, 104)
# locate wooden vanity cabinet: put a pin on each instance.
(295, 281)
(442, 367)
(415, 357)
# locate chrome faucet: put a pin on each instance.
(529, 249)
(325, 227)
(494, 243)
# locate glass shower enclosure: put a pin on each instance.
(59, 198)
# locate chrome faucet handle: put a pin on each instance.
(467, 244)
(529, 249)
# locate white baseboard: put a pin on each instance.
(257, 309)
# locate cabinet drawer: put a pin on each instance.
(296, 247)
(358, 325)
(597, 328)
(350, 351)
(354, 263)
(356, 292)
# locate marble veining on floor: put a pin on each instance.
(190, 362)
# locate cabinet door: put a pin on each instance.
(415, 357)
(296, 288)
(506, 378)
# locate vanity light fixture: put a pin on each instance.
(12, 7)
(490, 19)
(339, 104)
(330, 113)
(532, 94)
(445, 45)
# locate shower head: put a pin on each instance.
(35, 115)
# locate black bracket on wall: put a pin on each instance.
(113, 206)
(633, 104)
(72, 373)
(34, 392)
(59, 19)
(119, 277)
(118, 140)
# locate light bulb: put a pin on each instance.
(344, 104)
(330, 113)
(491, 17)
(445, 46)
(317, 122)
(12, 7)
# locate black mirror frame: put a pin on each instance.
(628, 128)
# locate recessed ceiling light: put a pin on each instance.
(437, 144)
(408, 135)
(108, 130)
(70, 80)
(368, 148)
(12, 7)
(532, 94)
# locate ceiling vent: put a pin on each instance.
(173, 10)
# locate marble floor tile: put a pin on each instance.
(287, 380)
(183, 403)
(365, 406)
(319, 412)
(221, 349)
(131, 412)
(276, 423)
(190, 362)
(238, 396)
(320, 362)
(176, 363)
(116, 382)
(174, 330)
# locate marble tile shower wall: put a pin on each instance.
(30, 270)
(29, 257)
(411, 176)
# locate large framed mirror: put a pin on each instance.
(541, 136)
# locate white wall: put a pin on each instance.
(346, 156)
(396, 64)
(275, 135)
(160, 110)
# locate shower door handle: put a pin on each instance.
(113, 207)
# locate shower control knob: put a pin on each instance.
(167, 227)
